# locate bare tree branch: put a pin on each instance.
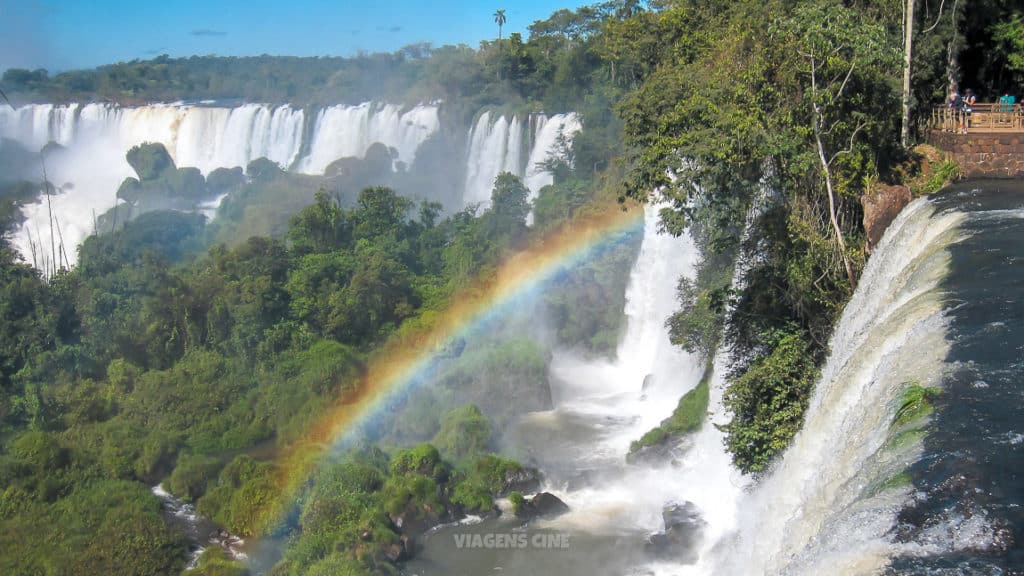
(939, 17)
(853, 137)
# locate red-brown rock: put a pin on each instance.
(881, 206)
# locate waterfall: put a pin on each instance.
(95, 138)
(209, 137)
(545, 142)
(343, 131)
(602, 405)
(820, 508)
(488, 141)
(498, 144)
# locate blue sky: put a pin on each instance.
(66, 34)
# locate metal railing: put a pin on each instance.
(984, 117)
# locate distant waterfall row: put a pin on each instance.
(209, 137)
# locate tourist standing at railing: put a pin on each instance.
(956, 109)
(954, 101)
(969, 101)
(1006, 102)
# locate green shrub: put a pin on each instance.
(945, 173)
(768, 401)
(685, 419)
(413, 494)
(472, 497)
(150, 160)
(40, 450)
(489, 471)
(244, 495)
(423, 459)
(518, 503)
(338, 565)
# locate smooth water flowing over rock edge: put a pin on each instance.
(866, 489)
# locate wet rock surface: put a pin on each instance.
(543, 505)
(683, 524)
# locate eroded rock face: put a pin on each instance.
(525, 480)
(881, 206)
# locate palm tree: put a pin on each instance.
(499, 19)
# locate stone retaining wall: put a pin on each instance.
(984, 155)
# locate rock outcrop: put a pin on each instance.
(543, 505)
(525, 480)
(881, 206)
(683, 524)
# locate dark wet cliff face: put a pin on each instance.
(967, 515)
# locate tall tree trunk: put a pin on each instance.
(827, 171)
(953, 64)
(908, 54)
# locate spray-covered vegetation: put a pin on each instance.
(687, 418)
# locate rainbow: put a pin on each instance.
(395, 367)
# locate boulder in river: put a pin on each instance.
(683, 524)
(543, 505)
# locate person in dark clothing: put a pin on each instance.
(956, 107)
(969, 101)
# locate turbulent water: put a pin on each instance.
(600, 407)
(341, 131)
(95, 138)
(201, 533)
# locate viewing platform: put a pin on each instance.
(986, 117)
(987, 143)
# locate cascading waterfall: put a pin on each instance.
(209, 137)
(545, 142)
(625, 397)
(938, 307)
(825, 507)
(616, 388)
(705, 475)
(345, 131)
(498, 144)
(205, 137)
